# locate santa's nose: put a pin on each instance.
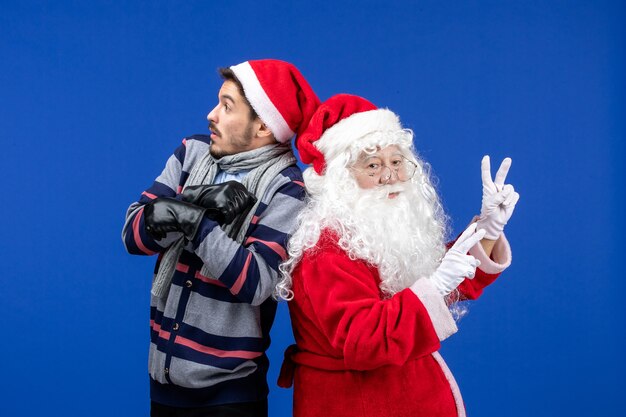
(387, 176)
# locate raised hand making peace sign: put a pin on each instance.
(498, 199)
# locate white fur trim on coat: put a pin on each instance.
(454, 387)
(439, 313)
(500, 256)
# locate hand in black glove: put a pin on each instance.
(164, 215)
(223, 201)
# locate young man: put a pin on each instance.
(219, 216)
(369, 278)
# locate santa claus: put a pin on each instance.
(370, 280)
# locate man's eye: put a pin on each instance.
(397, 163)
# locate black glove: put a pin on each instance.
(223, 201)
(164, 215)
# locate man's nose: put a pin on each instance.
(211, 117)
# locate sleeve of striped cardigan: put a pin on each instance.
(136, 240)
(250, 270)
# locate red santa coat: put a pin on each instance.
(360, 354)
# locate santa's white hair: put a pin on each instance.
(403, 237)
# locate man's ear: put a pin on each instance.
(263, 131)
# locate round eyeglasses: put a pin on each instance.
(403, 169)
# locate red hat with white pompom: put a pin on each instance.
(279, 94)
(337, 123)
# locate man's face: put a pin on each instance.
(379, 168)
(232, 129)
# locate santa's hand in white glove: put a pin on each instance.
(457, 264)
(498, 199)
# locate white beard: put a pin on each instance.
(403, 237)
(400, 236)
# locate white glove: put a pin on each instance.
(498, 199)
(457, 264)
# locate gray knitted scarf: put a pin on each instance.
(264, 163)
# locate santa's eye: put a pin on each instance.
(373, 169)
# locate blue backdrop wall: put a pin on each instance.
(95, 95)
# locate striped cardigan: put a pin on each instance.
(209, 337)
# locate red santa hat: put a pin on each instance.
(337, 124)
(279, 94)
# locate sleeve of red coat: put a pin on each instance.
(368, 331)
(489, 269)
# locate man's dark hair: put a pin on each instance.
(228, 75)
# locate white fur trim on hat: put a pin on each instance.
(342, 135)
(261, 103)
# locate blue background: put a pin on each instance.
(96, 95)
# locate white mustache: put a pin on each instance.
(385, 190)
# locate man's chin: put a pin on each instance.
(217, 153)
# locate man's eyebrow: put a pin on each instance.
(228, 97)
